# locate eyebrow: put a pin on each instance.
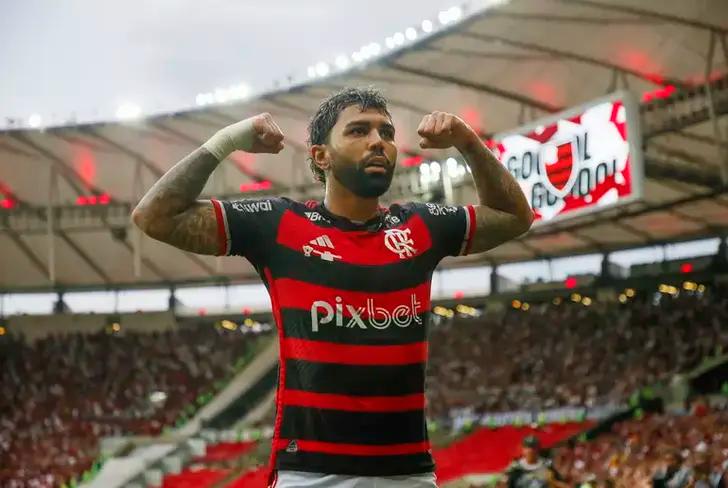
(354, 123)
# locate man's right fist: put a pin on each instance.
(257, 134)
(268, 137)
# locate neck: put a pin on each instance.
(340, 201)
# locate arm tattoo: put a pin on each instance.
(170, 211)
(504, 212)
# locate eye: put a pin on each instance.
(387, 134)
(362, 131)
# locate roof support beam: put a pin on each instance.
(73, 179)
(596, 20)
(84, 257)
(48, 218)
(656, 168)
(698, 138)
(486, 55)
(379, 78)
(611, 7)
(482, 87)
(647, 238)
(566, 55)
(150, 165)
(25, 249)
(145, 261)
(628, 213)
(707, 225)
(717, 130)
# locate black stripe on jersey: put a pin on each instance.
(375, 428)
(335, 274)
(315, 462)
(355, 380)
(297, 324)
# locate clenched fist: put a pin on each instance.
(268, 137)
(441, 130)
(257, 134)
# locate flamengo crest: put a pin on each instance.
(399, 242)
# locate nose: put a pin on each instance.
(375, 140)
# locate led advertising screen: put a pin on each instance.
(585, 159)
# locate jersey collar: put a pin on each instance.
(372, 225)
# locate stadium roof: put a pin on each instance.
(498, 68)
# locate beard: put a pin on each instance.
(354, 177)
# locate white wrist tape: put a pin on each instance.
(239, 136)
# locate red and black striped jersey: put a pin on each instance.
(352, 304)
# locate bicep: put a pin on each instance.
(493, 228)
(195, 229)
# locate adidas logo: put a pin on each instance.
(292, 447)
(324, 242)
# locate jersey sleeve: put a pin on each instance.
(451, 227)
(248, 227)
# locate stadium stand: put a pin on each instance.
(634, 451)
(61, 394)
(570, 354)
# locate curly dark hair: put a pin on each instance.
(319, 128)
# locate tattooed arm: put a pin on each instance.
(503, 213)
(171, 212)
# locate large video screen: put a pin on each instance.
(585, 159)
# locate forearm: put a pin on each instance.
(175, 192)
(496, 187)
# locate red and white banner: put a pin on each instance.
(582, 160)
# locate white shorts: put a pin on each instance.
(302, 479)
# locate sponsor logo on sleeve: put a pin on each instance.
(253, 206)
(438, 210)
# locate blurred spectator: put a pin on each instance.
(704, 474)
(532, 470)
(672, 474)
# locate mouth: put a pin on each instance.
(377, 162)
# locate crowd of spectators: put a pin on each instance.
(569, 354)
(658, 451)
(61, 394)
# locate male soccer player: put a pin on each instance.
(349, 280)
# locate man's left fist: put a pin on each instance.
(440, 130)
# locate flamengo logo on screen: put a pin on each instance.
(378, 317)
